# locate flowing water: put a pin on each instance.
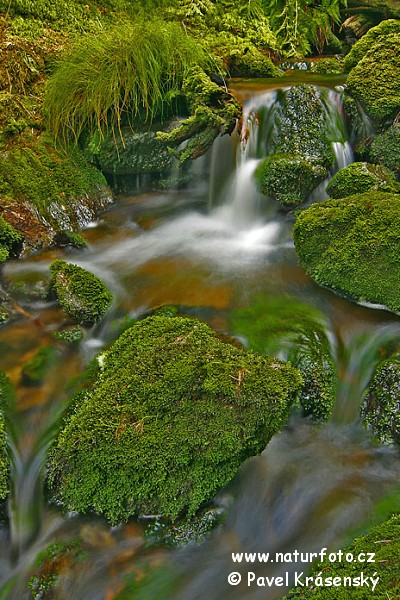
(212, 248)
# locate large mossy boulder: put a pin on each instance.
(352, 246)
(299, 150)
(80, 294)
(360, 177)
(381, 408)
(382, 544)
(281, 326)
(385, 149)
(375, 80)
(364, 44)
(172, 415)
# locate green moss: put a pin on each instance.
(364, 44)
(10, 240)
(328, 66)
(375, 80)
(35, 370)
(173, 414)
(351, 246)
(7, 398)
(51, 565)
(381, 408)
(361, 177)
(384, 542)
(297, 139)
(69, 336)
(385, 149)
(69, 238)
(81, 294)
(61, 188)
(289, 179)
(285, 326)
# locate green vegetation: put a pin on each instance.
(81, 294)
(73, 335)
(133, 70)
(381, 408)
(351, 246)
(35, 370)
(303, 24)
(328, 66)
(289, 179)
(301, 153)
(213, 112)
(172, 415)
(58, 188)
(284, 325)
(10, 240)
(375, 80)
(7, 397)
(361, 177)
(385, 149)
(364, 45)
(384, 541)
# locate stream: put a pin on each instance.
(212, 248)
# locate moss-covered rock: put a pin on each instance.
(288, 178)
(351, 245)
(385, 149)
(284, 326)
(299, 150)
(328, 66)
(131, 153)
(381, 408)
(72, 335)
(361, 177)
(362, 47)
(173, 414)
(81, 294)
(375, 80)
(10, 240)
(383, 542)
(58, 189)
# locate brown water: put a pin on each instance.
(211, 249)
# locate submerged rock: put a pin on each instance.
(300, 152)
(352, 246)
(361, 177)
(170, 418)
(81, 294)
(381, 408)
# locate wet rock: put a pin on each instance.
(300, 152)
(172, 415)
(380, 410)
(361, 177)
(351, 246)
(81, 294)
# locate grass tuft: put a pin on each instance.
(128, 72)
